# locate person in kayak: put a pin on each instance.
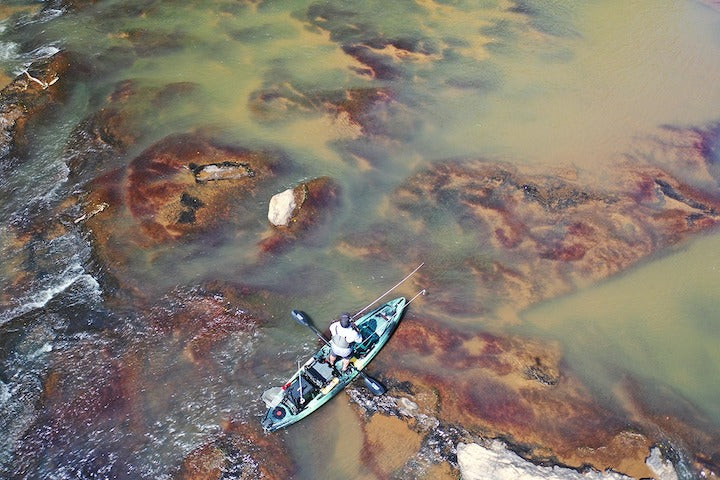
(344, 336)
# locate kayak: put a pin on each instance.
(316, 382)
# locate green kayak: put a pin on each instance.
(316, 382)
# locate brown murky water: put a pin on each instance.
(573, 83)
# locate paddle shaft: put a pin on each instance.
(319, 334)
(376, 387)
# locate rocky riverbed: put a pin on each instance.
(462, 402)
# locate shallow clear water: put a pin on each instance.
(575, 83)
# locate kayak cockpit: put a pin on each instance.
(316, 382)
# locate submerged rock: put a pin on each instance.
(186, 187)
(382, 54)
(167, 367)
(242, 451)
(416, 442)
(173, 189)
(201, 318)
(356, 112)
(103, 139)
(498, 387)
(540, 235)
(27, 98)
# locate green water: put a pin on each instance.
(659, 322)
(576, 83)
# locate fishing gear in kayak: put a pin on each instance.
(373, 385)
(316, 382)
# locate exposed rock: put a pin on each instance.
(221, 171)
(485, 387)
(314, 202)
(496, 461)
(662, 468)
(282, 207)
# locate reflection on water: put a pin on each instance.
(573, 83)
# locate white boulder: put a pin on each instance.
(496, 462)
(282, 207)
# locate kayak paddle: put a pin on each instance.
(373, 385)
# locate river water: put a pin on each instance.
(542, 82)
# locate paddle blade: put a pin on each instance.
(301, 317)
(373, 385)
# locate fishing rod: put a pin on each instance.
(393, 288)
(422, 292)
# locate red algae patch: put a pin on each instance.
(243, 450)
(517, 389)
(539, 235)
(187, 188)
(187, 183)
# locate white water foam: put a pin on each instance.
(4, 393)
(46, 51)
(45, 15)
(8, 51)
(69, 277)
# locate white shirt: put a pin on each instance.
(348, 334)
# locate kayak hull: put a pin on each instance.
(316, 382)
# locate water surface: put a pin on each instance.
(554, 83)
